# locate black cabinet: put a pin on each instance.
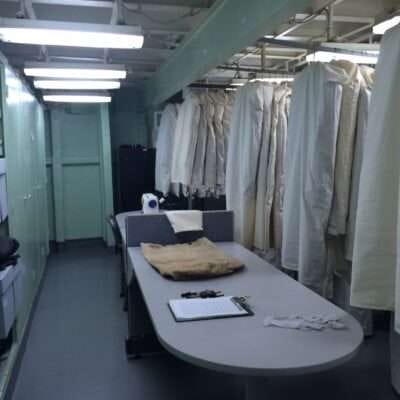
(135, 176)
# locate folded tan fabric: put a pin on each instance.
(198, 260)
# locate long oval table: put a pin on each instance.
(243, 346)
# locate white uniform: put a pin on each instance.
(277, 212)
(165, 145)
(376, 256)
(187, 128)
(362, 120)
(310, 166)
(265, 175)
(219, 103)
(345, 149)
(243, 157)
(201, 145)
(210, 172)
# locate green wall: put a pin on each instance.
(24, 139)
(79, 164)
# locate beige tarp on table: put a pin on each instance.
(198, 260)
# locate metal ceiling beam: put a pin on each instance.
(231, 26)
(336, 18)
(242, 69)
(268, 54)
(150, 7)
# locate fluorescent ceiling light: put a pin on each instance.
(382, 27)
(52, 33)
(229, 89)
(75, 85)
(77, 98)
(238, 82)
(74, 71)
(327, 56)
(274, 79)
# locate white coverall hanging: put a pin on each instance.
(165, 145)
(219, 103)
(376, 256)
(187, 128)
(362, 120)
(210, 172)
(281, 126)
(243, 156)
(265, 173)
(310, 165)
(345, 148)
(200, 152)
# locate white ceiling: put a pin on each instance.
(166, 23)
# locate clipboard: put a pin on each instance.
(185, 310)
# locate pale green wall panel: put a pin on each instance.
(80, 171)
(106, 171)
(79, 132)
(82, 202)
(27, 193)
(50, 202)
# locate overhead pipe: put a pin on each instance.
(244, 69)
(199, 85)
(117, 18)
(29, 11)
(313, 46)
(330, 27)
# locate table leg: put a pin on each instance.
(256, 388)
(141, 338)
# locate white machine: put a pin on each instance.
(150, 203)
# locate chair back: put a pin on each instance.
(115, 230)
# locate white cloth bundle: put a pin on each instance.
(185, 220)
(305, 322)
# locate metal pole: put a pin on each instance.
(330, 27)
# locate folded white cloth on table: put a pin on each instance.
(185, 221)
(305, 322)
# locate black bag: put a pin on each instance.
(8, 247)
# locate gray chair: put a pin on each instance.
(118, 250)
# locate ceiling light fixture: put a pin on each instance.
(75, 71)
(75, 84)
(77, 98)
(327, 56)
(274, 79)
(238, 82)
(54, 33)
(382, 27)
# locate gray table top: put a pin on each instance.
(244, 346)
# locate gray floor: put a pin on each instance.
(75, 349)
